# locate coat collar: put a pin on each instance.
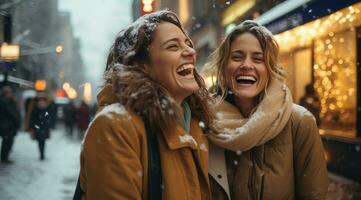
(179, 138)
(218, 168)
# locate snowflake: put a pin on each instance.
(187, 139)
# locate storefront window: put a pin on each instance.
(335, 80)
(298, 66)
(328, 46)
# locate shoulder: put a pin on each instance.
(300, 113)
(115, 114)
(303, 123)
(114, 123)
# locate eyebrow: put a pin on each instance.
(176, 40)
(241, 52)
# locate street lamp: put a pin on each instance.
(9, 52)
(12, 52)
(59, 49)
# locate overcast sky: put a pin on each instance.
(96, 22)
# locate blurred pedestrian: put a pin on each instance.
(53, 111)
(9, 122)
(40, 123)
(82, 118)
(311, 101)
(69, 117)
(93, 111)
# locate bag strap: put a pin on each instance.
(78, 192)
(154, 164)
(154, 168)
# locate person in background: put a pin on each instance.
(263, 146)
(40, 124)
(69, 117)
(311, 101)
(82, 118)
(53, 111)
(9, 122)
(153, 101)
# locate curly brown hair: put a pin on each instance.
(131, 51)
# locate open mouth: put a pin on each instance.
(185, 70)
(246, 79)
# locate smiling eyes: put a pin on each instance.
(174, 46)
(241, 57)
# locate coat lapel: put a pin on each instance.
(218, 168)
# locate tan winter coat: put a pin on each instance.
(114, 157)
(274, 154)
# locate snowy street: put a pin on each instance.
(29, 178)
(55, 177)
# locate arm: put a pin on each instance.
(111, 161)
(311, 180)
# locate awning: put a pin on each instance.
(292, 13)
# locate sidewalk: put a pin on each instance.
(340, 188)
(55, 178)
(29, 178)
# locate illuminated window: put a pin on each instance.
(335, 80)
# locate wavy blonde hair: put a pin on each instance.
(219, 58)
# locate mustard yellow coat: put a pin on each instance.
(114, 157)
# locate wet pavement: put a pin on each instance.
(55, 177)
(29, 178)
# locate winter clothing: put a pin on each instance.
(82, 116)
(9, 125)
(312, 103)
(69, 117)
(114, 154)
(40, 124)
(276, 153)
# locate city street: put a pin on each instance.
(55, 178)
(29, 178)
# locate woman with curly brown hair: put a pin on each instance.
(147, 140)
(264, 146)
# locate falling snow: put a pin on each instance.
(203, 147)
(201, 124)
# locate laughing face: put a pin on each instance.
(172, 60)
(246, 71)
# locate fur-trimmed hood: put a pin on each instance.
(132, 87)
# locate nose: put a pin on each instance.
(189, 51)
(247, 64)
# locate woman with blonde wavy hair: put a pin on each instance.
(147, 140)
(263, 146)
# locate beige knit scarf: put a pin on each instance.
(236, 133)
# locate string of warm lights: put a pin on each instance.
(334, 38)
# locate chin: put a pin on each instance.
(191, 88)
(244, 94)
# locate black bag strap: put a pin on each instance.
(154, 168)
(154, 164)
(78, 192)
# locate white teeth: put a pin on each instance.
(185, 66)
(250, 78)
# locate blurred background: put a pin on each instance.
(55, 50)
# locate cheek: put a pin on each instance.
(230, 69)
(264, 75)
